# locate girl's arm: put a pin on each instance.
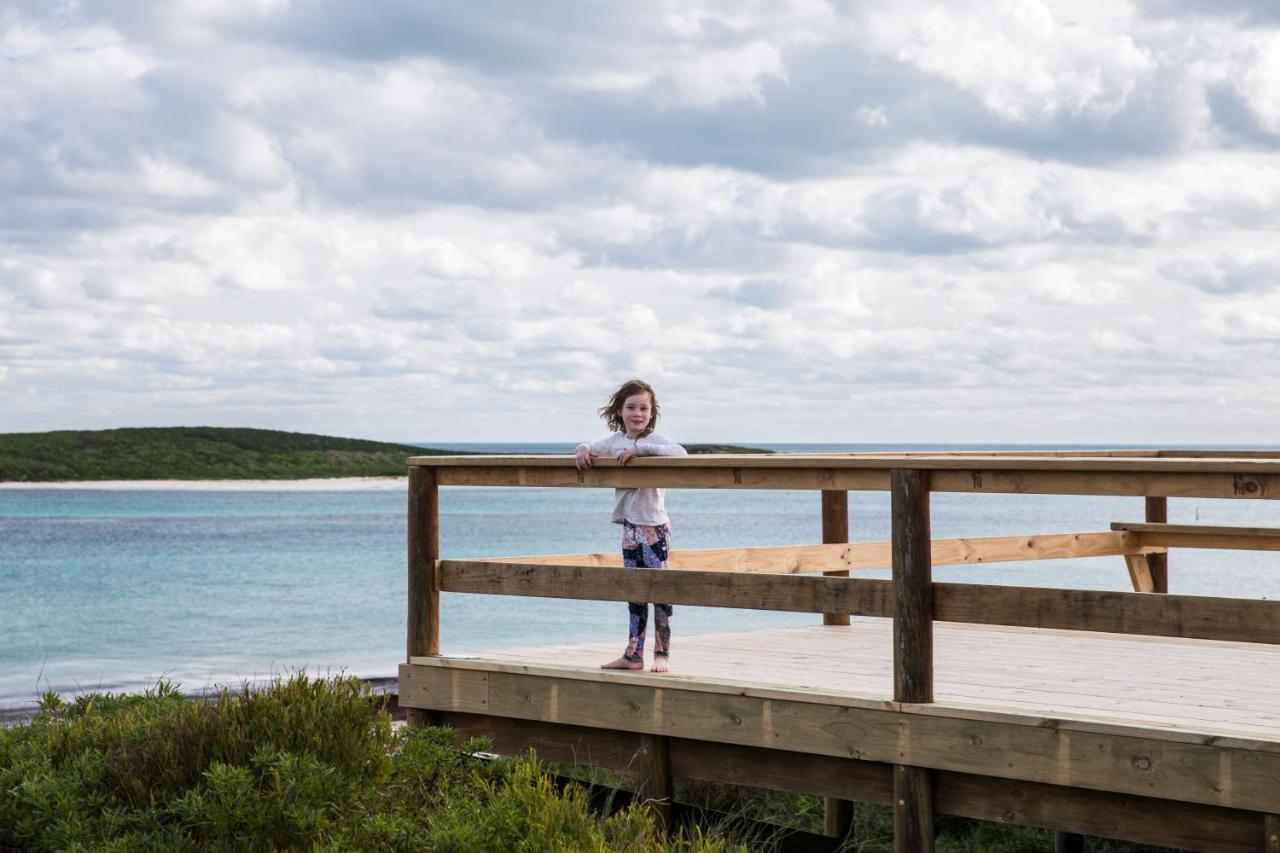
(587, 450)
(603, 447)
(659, 445)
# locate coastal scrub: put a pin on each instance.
(305, 763)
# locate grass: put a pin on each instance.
(304, 764)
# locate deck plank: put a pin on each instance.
(1220, 689)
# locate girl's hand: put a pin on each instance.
(582, 458)
(626, 455)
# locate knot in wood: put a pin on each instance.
(735, 719)
(976, 740)
(634, 706)
(1142, 762)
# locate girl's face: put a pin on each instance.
(637, 411)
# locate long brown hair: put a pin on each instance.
(611, 412)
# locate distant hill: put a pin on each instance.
(723, 448)
(197, 453)
(212, 453)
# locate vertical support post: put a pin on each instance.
(1068, 842)
(655, 789)
(835, 529)
(912, 648)
(1271, 833)
(837, 813)
(424, 578)
(1158, 564)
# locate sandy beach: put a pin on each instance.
(328, 484)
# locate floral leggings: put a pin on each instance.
(645, 546)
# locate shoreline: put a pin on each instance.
(12, 715)
(316, 484)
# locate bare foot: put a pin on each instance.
(623, 662)
(659, 664)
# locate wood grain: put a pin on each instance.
(835, 531)
(423, 620)
(912, 589)
(797, 594)
(1142, 820)
(1157, 512)
(1191, 616)
(842, 556)
(944, 739)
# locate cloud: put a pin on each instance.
(1227, 275)
(923, 221)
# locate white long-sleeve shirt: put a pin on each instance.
(637, 506)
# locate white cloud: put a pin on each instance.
(914, 222)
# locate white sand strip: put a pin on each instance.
(331, 484)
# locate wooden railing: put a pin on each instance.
(786, 579)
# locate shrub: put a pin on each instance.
(304, 763)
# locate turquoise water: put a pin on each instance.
(113, 589)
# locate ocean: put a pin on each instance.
(116, 587)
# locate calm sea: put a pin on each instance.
(116, 588)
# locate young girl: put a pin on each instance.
(632, 412)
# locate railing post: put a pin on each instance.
(1158, 564)
(655, 790)
(835, 529)
(424, 580)
(912, 648)
(838, 814)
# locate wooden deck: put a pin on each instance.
(1195, 687)
(1140, 715)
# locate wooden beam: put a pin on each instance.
(805, 594)
(1157, 512)
(842, 556)
(837, 814)
(1193, 616)
(655, 790)
(842, 780)
(601, 475)
(1137, 819)
(835, 531)
(1178, 478)
(554, 742)
(1068, 842)
(1191, 484)
(912, 809)
(1139, 572)
(912, 649)
(1015, 463)
(1126, 760)
(912, 589)
(1141, 820)
(1200, 617)
(423, 622)
(1203, 536)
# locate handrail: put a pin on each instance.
(798, 559)
(1185, 616)
(1203, 536)
(1208, 477)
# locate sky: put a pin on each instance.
(1004, 221)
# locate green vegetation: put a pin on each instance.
(873, 824)
(316, 764)
(212, 453)
(305, 764)
(723, 448)
(196, 453)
